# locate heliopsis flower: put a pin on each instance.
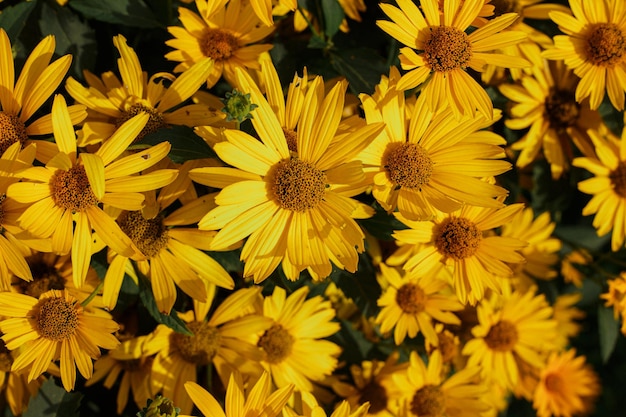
(608, 186)
(219, 340)
(567, 315)
(616, 297)
(411, 302)
(516, 328)
(448, 344)
(72, 186)
(258, 401)
(229, 35)
(428, 392)
(308, 406)
(462, 241)
(439, 50)
(571, 263)
(594, 47)
(111, 101)
(568, 386)
(15, 386)
(293, 348)
(54, 327)
(275, 197)
(425, 159)
(544, 103)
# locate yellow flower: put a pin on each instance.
(15, 385)
(309, 407)
(616, 297)
(566, 315)
(53, 327)
(229, 35)
(571, 273)
(439, 50)
(594, 47)
(274, 197)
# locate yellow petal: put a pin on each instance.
(63, 130)
(186, 84)
(122, 138)
(110, 232)
(141, 183)
(129, 67)
(94, 168)
(137, 162)
(46, 83)
(7, 75)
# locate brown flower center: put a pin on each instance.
(155, 120)
(505, 6)
(429, 401)
(12, 130)
(618, 179)
(606, 44)
(218, 44)
(6, 359)
(554, 383)
(376, 394)
(448, 346)
(200, 348)
(502, 336)
(45, 278)
(277, 343)
(447, 49)
(561, 109)
(292, 139)
(408, 165)
(71, 189)
(298, 185)
(57, 318)
(411, 298)
(149, 235)
(457, 238)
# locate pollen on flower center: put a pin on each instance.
(606, 44)
(618, 179)
(376, 394)
(502, 336)
(457, 238)
(554, 383)
(429, 401)
(45, 278)
(292, 139)
(57, 318)
(71, 189)
(447, 48)
(6, 359)
(411, 298)
(12, 130)
(155, 120)
(218, 44)
(408, 165)
(298, 185)
(200, 348)
(149, 235)
(277, 343)
(561, 109)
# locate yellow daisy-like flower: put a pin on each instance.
(275, 197)
(411, 302)
(567, 317)
(229, 35)
(112, 101)
(462, 241)
(16, 388)
(570, 266)
(427, 160)
(608, 186)
(55, 326)
(594, 47)
(439, 50)
(513, 329)
(544, 103)
(568, 386)
(72, 186)
(308, 406)
(615, 297)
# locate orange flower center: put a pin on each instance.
(71, 189)
(57, 318)
(11, 130)
(606, 44)
(376, 394)
(277, 343)
(45, 278)
(155, 121)
(408, 165)
(554, 383)
(447, 49)
(502, 336)
(292, 139)
(6, 359)
(149, 235)
(200, 348)
(298, 185)
(218, 44)
(618, 179)
(561, 109)
(457, 238)
(429, 401)
(411, 298)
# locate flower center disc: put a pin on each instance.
(448, 346)
(554, 383)
(411, 298)
(155, 120)
(71, 189)
(408, 165)
(277, 343)
(562, 109)
(428, 401)
(149, 235)
(45, 278)
(200, 348)
(57, 318)
(298, 185)
(376, 394)
(618, 179)
(502, 336)
(11, 130)
(606, 44)
(447, 49)
(457, 238)
(292, 139)
(218, 44)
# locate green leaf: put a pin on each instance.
(362, 67)
(333, 16)
(53, 401)
(355, 347)
(13, 19)
(185, 143)
(360, 286)
(317, 43)
(132, 13)
(608, 329)
(381, 225)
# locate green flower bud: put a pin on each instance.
(238, 106)
(159, 407)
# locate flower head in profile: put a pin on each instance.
(615, 297)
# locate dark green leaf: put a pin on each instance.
(333, 16)
(53, 401)
(608, 329)
(360, 286)
(317, 43)
(362, 67)
(185, 143)
(356, 347)
(381, 225)
(13, 19)
(132, 13)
